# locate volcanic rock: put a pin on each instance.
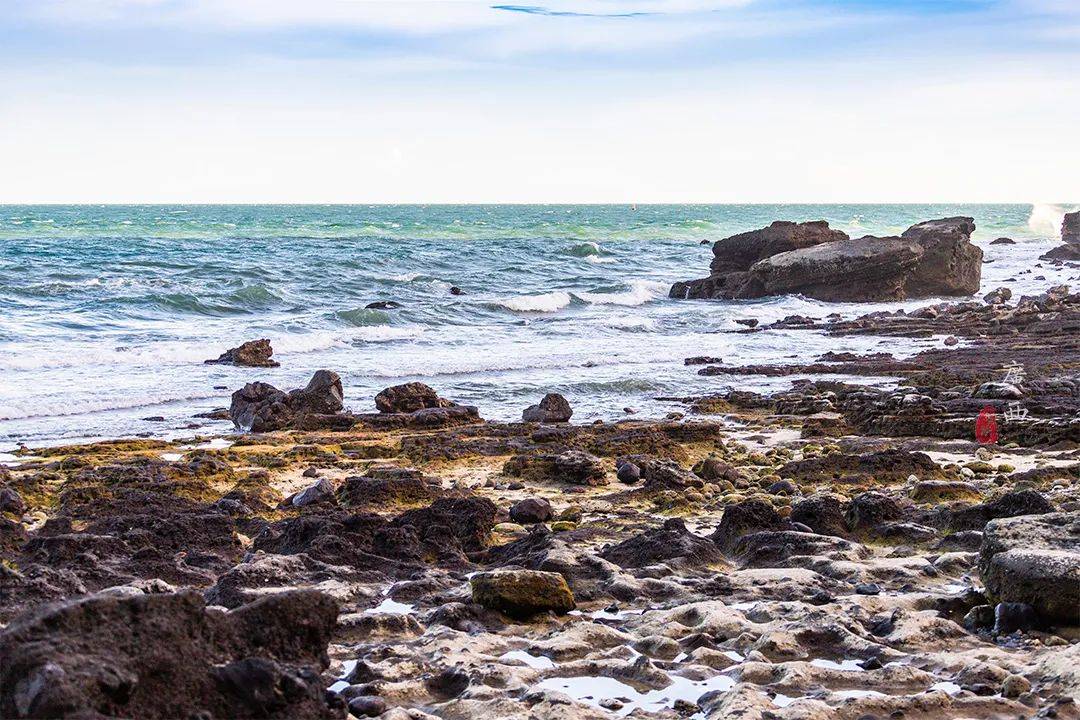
(261, 407)
(552, 409)
(408, 398)
(522, 593)
(254, 353)
(1035, 559)
(930, 258)
(166, 656)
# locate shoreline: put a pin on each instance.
(698, 578)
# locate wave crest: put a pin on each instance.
(546, 302)
(640, 292)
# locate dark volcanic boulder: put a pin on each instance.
(261, 407)
(166, 656)
(408, 398)
(670, 543)
(739, 252)
(871, 512)
(866, 268)
(254, 353)
(553, 408)
(930, 258)
(974, 517)
(749, 516)
(733, 257)
(522, 593)
(530, 511)
(1035, 559)
(823, 513)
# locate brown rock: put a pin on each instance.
(254, 353)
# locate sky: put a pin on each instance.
(590, 101)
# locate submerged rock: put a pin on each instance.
(522, 593)
(553, 408)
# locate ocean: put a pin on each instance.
(107, 312)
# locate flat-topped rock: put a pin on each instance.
(930, 259)
(522, 593)
(1035, 559)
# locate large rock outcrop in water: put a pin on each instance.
(1070, 235)
(931, 258)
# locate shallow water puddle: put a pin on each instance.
(594, 689)
(605, 615)
(833, 665)
(537, 662)
(391, 607)
(172, 457)
(342, 684)
(11, 460)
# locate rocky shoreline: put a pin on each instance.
(832, 550)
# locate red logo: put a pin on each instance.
(986, 431)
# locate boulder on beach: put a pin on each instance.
(254, 353)
(261, 407)
(166, 656)
(522, 593)
(929, 259)
(1035, 559)
(408, 398)
(553, 408)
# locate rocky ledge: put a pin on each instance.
(828, 551)
(934, 258)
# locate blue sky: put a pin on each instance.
(577, 101)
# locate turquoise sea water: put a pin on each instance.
(107, 312)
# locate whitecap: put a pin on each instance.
(640, 292)
(1046, 219)
(546, 302)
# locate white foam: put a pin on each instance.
(640, 292)
(537, 662)
(547, 302)
(1046, 219)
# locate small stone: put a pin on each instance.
(781, 487)
(313, 493)
(628, 473)
(1015, 686)
(367, 706)
(531, 511)
(868, 589)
